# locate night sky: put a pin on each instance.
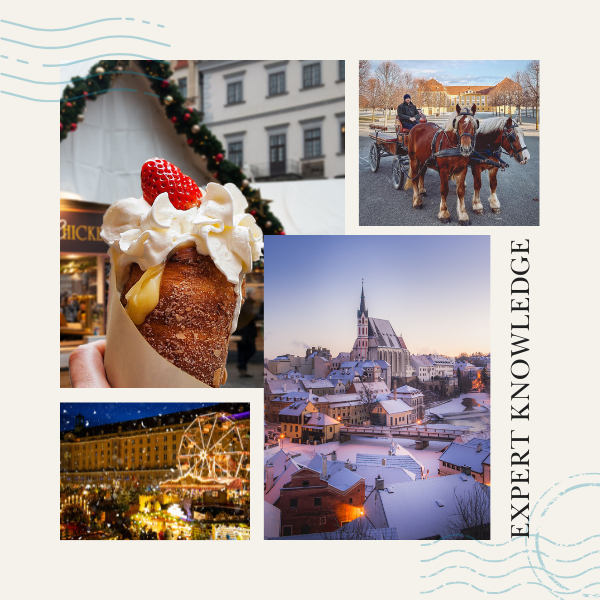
(101, 413)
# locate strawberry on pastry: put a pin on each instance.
(160, 176)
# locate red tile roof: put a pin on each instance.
(181, 64)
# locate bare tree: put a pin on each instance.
(531, 83)
(364, 74)
(359, 529)
(368, 398)
(518, 94)
(372, 96)
(472, 513)
(388, 73)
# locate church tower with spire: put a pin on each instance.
(362, 340)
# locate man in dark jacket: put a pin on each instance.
(408, 113)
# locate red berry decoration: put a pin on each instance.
(165, 83)
(186, 116)
(219, 157)
(173, 119)
(73, 126)
(282, 233)
(160, 176)
(69, 104)
(190, 142)
(85, 94)
(61, 126)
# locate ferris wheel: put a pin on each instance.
(214, 447)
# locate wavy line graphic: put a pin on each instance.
(74, 62)
(62, 99)
(78, 78)
(481, 558)
(511, 540)
(514, 587)
(105, 37)
(510, 572)
(61, 28)
(539, 564)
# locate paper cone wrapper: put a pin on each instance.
(130, 361)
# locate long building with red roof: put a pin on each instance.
(435, 97)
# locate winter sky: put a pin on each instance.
(101, 413)
(459, 72)
(435, 291)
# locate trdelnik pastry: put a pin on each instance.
(179, 256)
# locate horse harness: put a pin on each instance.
(509, 134)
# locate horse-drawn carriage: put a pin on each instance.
(449, 150)
(385, 143)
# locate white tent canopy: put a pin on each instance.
(311, 207)
(101, 161)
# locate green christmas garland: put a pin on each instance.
(187, 121)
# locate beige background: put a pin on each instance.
(564, 280)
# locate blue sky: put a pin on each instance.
(435, 290)
(459, 72)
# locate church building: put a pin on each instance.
(377, 340)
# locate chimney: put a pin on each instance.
(478, 447)
(324, 467)
(383, 462)
(284, 385)
(334, 455)
(348, 465)
(269, 477)
(379, 485)
(466, 470)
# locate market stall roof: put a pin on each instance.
(102, 160)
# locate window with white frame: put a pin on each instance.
(235, 92)
(277, 83)
(182, 83)
(312, 142)
(235, 153)
(311, 75)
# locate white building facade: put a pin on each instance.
(278, 120)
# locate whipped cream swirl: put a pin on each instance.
(219, 228)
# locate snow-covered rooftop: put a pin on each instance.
(343, 479)
(318, 419)
(405, 461)
(421, 509)
(295, 409)
(394, 407)
(463, 454)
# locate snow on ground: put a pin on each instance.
(456, 407)
(358, 444)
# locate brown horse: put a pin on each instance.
(447, 150)
(493, 136)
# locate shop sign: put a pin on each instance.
(80, 232)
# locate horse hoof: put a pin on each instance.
(496, 211)
(465, 222)
(479, 211)
(444, 220)
(418, 207)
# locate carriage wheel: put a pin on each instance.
(374, 157)
(397, 174)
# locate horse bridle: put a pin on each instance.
(510, 135)
(459, 136)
